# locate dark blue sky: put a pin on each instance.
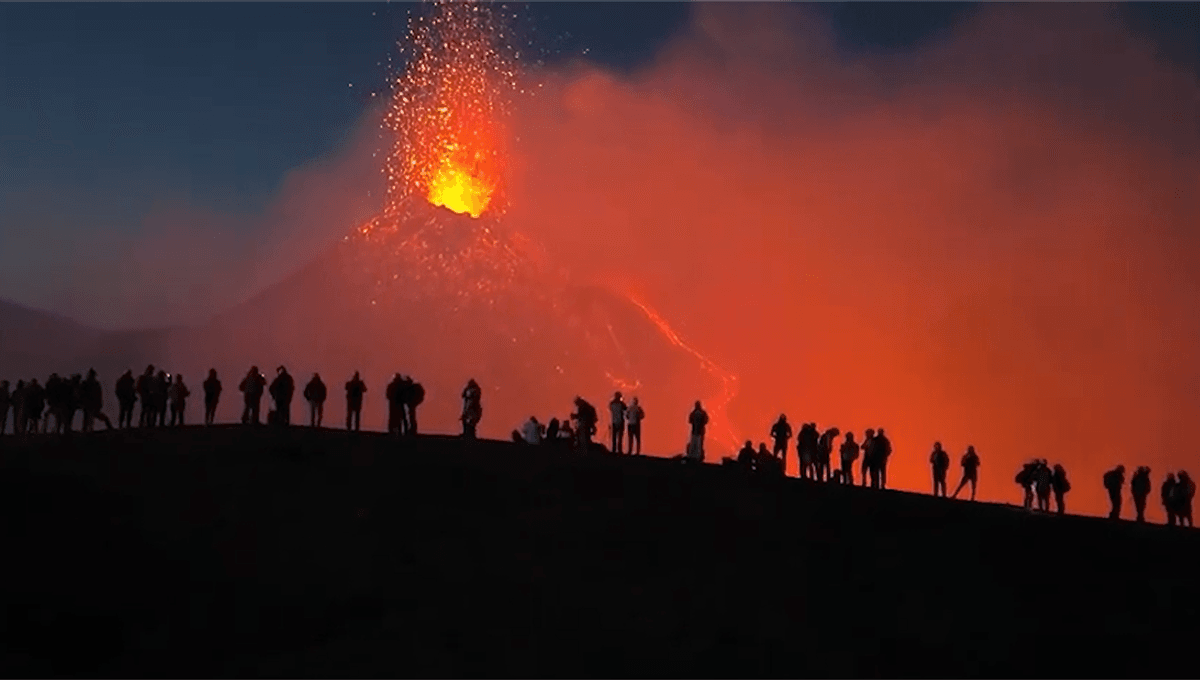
(110, 105)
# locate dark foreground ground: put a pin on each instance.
(226, 551)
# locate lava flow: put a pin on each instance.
(503, 311)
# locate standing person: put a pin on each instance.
(252, 387)
(1168, 495)
(781, 434)
(315, 393)
(19, 398)
(178, 394)
(1061, 485)
(634, 416)
(162, 385)
(35, 404)
(212, 396)
(1139, 488)
(698, 420)
(5, 405)
(849, 454)
(283, 388)
(355, 389)
(414, 396)
(1042, 481)
(92, 401)
(145, 393)
(1185, 490)
(939, 461)
(616, 412)
(472, 410)
(126, 397)
(1114, 483)
(970, 468)
(883, 451)
(868, 456)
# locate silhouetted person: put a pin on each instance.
(1042, 478)
(35, 404)
(472, 410)
(825, 453)
(781, 434)
(126, 398)
(393, 394)
(413, 395)
(1139, 488)
(616, 413)
(283, 388)
(552, 432)
(355, 389)
(212, 396)
(698, 420)
(162, 387)
(315, 394)
(848, 453)
(531, 431)
(1168, 493)
(178, 396)
(807, 443)
(5, 405)
(1061, 485)
(745, 457)
(868, 456)
(633, 418)
(1186, 491)
(19, 400)
(585, 418)
(970, 468)
(1025, 479)
(939, 461)
(1114, 482)
(252, 388)
(72, 400)
(883, 452)
(92, 402)
(765, 462)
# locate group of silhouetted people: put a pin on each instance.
(51, 408)
(1176, 494)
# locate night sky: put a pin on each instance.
(112, 111)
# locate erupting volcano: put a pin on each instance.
(439, 285)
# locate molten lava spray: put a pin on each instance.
(449, 108)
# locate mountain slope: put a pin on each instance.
(233, 551)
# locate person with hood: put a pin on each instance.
(970, 468)
(1060, 485)
(252, 388)
(585, 418)
(1042, 478)
(633, 419)
(126, 398)
(178, 396)
(145, 393)
(1185, 491)
(92, 401)
(1114, 483)
(616, 412)
(1167, 494)
(698, 421)
(781, 435)
(939, 461)
(283, 388)
(5, 405)
(355, 389)
(393, 394)
(848, 453)
(472, 408)
(1139, 487)
(212, 396)
(314, 394)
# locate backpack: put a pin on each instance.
(418, 394)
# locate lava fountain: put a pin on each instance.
(501, 310)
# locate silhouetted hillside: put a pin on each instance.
(233, 551)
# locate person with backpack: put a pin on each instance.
(585, 418)
(252, 387)
(1060, 485)
(970, 472)
(1024, 478)
(1114, 483)
(939, 461)
(1139, 488)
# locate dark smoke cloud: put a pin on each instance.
(984, 241)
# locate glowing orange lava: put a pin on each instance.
(449, 109)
